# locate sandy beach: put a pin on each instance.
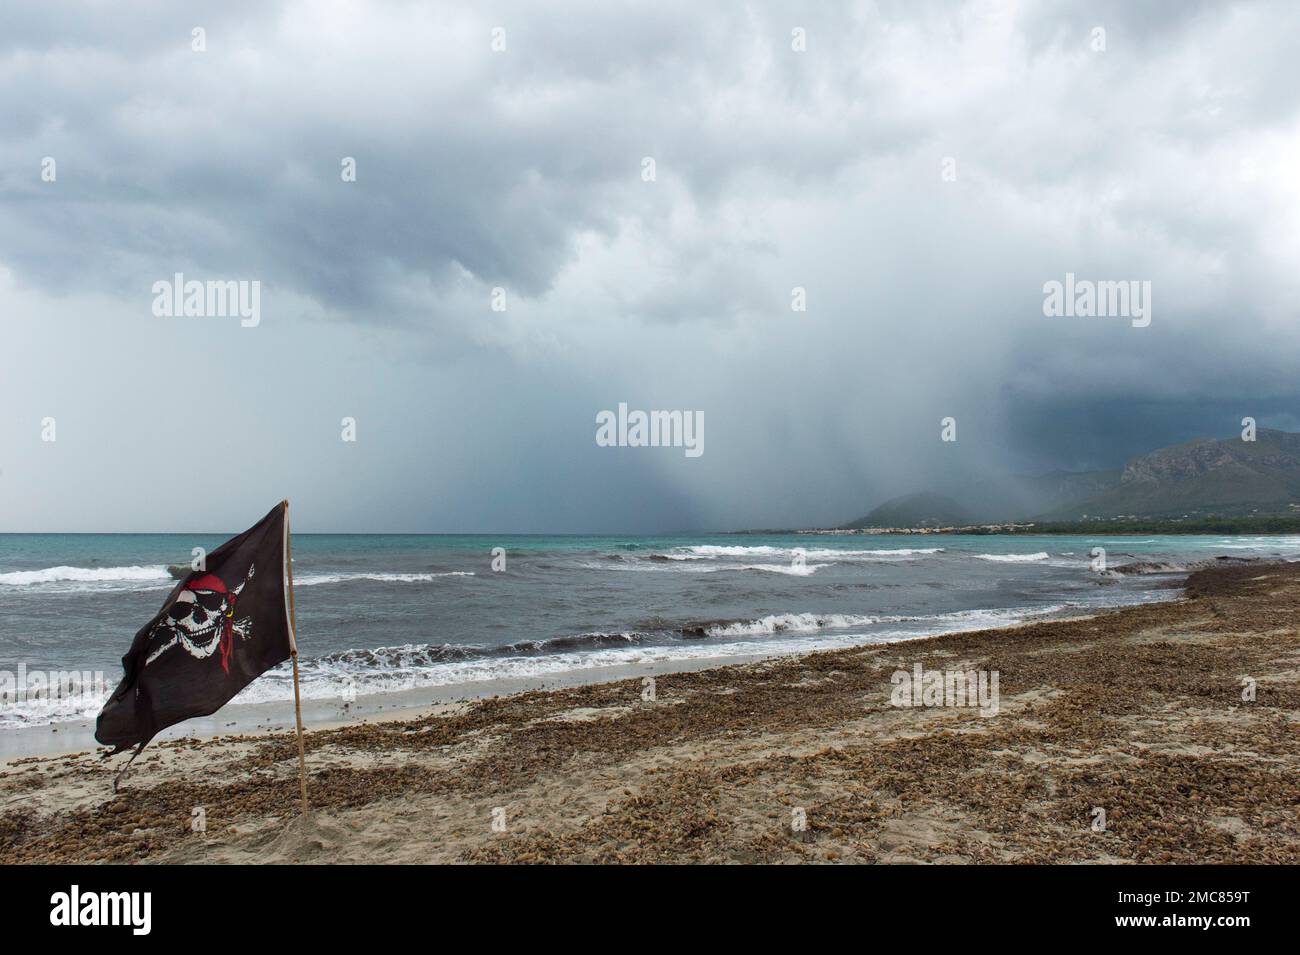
(1137, 713)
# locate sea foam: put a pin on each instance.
(51, 575)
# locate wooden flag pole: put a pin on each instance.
(293, 652)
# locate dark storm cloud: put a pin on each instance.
(1167, 157)
(468, 161)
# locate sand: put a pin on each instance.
(1137, 713)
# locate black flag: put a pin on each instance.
(219, 629)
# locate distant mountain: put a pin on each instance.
(925, 509)
(1205, 477)
(1208, 477)
(1020, 497)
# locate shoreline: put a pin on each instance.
(49, 740)
(1136, 711)
(76, 737)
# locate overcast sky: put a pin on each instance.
(1164, 149)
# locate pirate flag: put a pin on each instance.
(219, 629)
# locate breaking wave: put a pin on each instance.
(52, 575)
(660, 563)
(309, 580)
(1143, 567)
(392, 669)
(709, 551)
(76, 579)
(809, 622)
(789, 623)
(57, 710)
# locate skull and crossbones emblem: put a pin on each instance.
(201, 620)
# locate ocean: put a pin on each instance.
(379, 614)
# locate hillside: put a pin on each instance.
(1204, 478)
(925, 509)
